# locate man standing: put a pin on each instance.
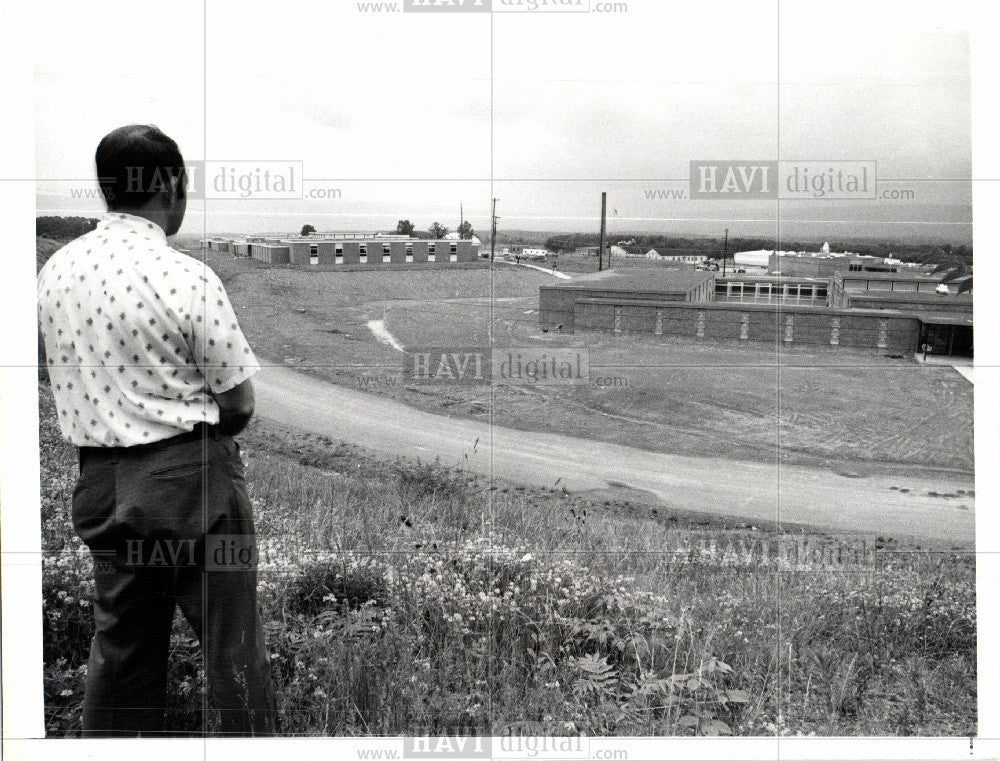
(150, 373)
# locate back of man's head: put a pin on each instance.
(134, 163)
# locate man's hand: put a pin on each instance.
(235, 408)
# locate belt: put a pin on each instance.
(199, 432)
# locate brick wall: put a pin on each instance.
(556, 304)
(745, 322)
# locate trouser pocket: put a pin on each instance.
(178, 492)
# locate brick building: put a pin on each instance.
(702, 306)
(349, 250)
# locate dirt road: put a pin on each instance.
(756, 491)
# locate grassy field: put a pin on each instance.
(400, 598)
(838, 409)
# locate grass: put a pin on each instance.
(400, 597)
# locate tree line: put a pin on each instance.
(929, 253)
(405, 227)
(63, 228)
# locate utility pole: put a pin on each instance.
(493, 231)
(725, 252)
(604, 216)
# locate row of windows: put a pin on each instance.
(767, 290)
(338, 249)
(386, 259)
(362, 252)
(871, 268)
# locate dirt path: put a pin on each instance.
(547, 271)
(760, 491)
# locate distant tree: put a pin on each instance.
(465, 231)
(63, 228)
(404, 227)
(307, 230)
(437, 230)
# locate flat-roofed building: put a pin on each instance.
(702, 306)
(367, 250)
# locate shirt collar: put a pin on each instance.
(130, 223)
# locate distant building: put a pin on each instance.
(820, 263)
(631, 251)
(348, 249)
(685, 258)
(802, 264)
(755, 259)
(526, 252)
(455, 236)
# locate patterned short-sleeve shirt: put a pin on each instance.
(137, 336)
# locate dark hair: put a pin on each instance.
(136, 161)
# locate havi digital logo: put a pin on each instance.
(799, 180)
(455, 6)
(726, 179)
(455, 747)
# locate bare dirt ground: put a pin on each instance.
(846, 411)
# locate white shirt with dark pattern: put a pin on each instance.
(136, 334)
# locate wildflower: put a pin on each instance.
(65, 693)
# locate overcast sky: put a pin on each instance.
(409, 115)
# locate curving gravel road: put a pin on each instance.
(760, 491)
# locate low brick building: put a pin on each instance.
(675, 303)
(350, 250)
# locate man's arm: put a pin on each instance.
(235, 407)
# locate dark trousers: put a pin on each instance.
(171, 525)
